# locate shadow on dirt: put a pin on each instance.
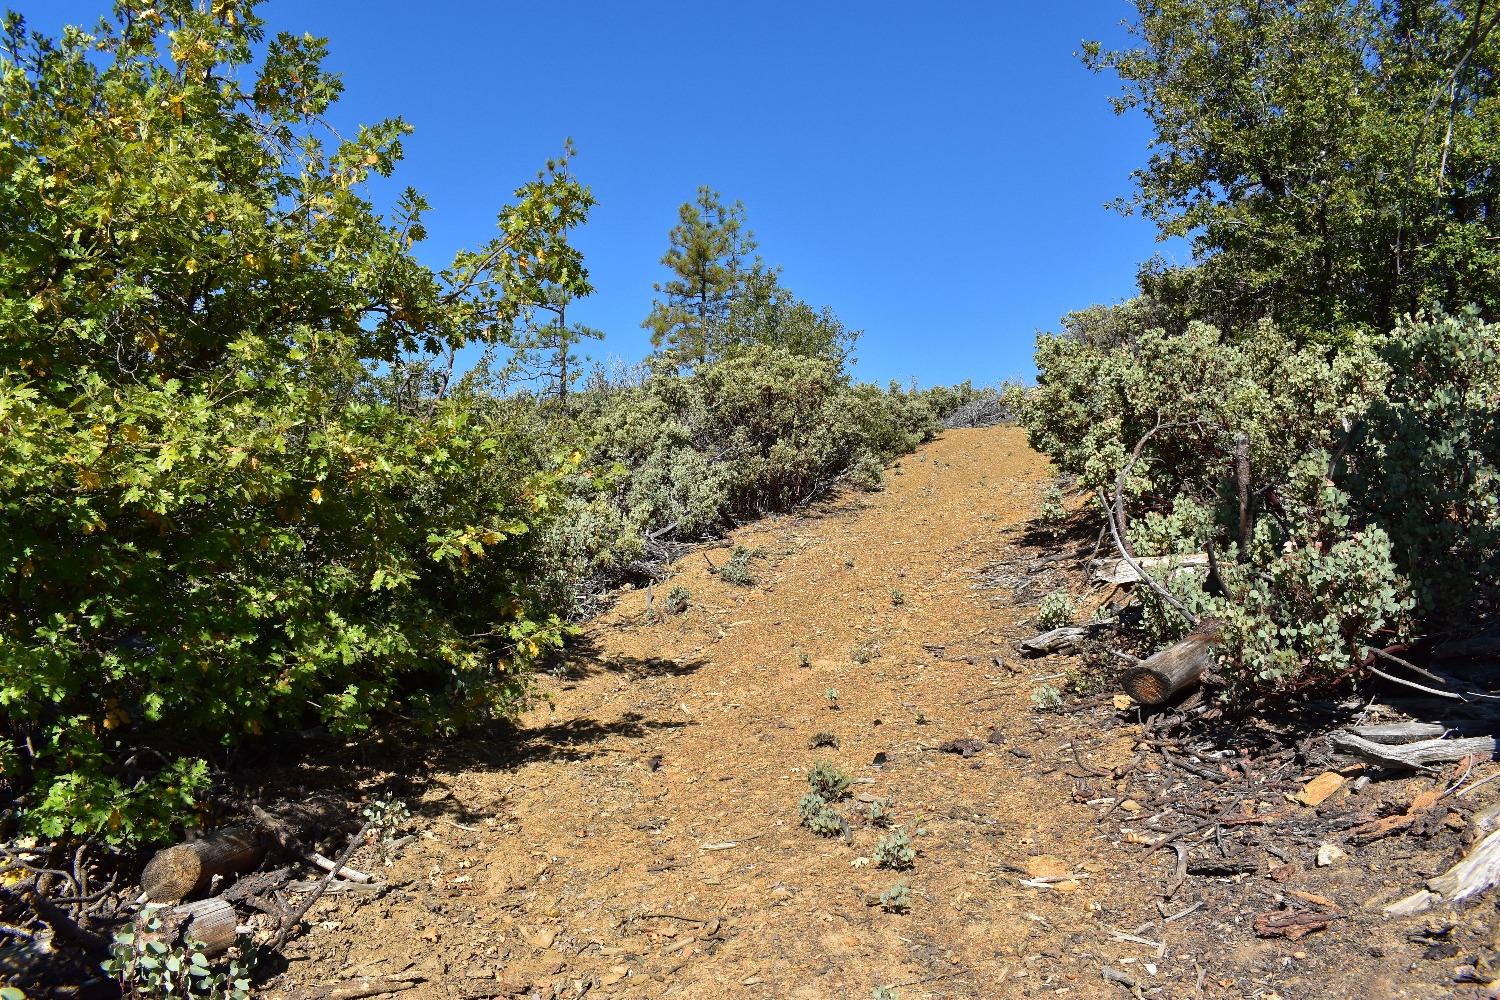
(583, 658)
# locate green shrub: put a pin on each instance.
(674, 455)
(819, 816)
(737, 569)
(1373, 472)
(828, 781)
(896, 899)
(1055, 611)
(239, 492)
(676, 601)
(894, 851)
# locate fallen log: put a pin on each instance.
(1119, 571)
(1160, 677)
(1476, 872)
(177, 872)
(211, 922)
(1399, 732)
(1482, 646)
(1058, 640)
(1416, 756)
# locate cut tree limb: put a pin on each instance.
(175, 873)
(1413, 756)
(1058, 640)
(1160, 677)
(211, 922)
(1119, 571)
(1478, 870)
(1399, 732)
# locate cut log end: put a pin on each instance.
(171, 874)
(1157, 679)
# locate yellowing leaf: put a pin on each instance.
(317, 495)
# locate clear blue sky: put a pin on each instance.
(935, 172)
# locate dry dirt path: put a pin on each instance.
(641, 838)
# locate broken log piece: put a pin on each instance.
(1160, 677)
(1399, 732)
(1476, 872)
(1477, 647)
(177, 872)
(1058, 640)
(1119, 571)
(1413, 756)
(211, 922)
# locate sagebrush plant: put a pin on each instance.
(737, 569)
(1056, 610)
(819, 816)
(1046, 698)
(823, 739)
(828, 780)
(865, 651)
(240, 490)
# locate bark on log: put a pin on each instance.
(1059, 640)
(1158, 678)
(1413, 756)
(211, 922)
(1120, 572)
(1399, 732)
(177, 872)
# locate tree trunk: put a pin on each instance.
(177, 872)
(1157, 679)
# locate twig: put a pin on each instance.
(307, 903)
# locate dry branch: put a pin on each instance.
(1413, 756)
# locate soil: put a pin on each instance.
(637, 835)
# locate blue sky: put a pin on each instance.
(935, 172)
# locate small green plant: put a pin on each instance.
(820, 817)
(1053, 513)
(865, 651)
(832, 695)
(896, 899)
(884, 993)
(1056, 610)
(894, 851)
(898, 598)
(921, 718)
(1047, 698)
(880, 812)
(387, 817)
(823, 739)
(148, 968)
(803, 659)
(676, 601)
(828, 781)
(737, 569)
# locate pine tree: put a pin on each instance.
(710, 257)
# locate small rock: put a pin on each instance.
(1330, 853)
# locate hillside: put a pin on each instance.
(640, 838)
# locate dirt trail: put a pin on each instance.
(641, 839)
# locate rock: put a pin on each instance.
(1329, 854)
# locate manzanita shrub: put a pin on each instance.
(1372, 472)
(238, 492)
